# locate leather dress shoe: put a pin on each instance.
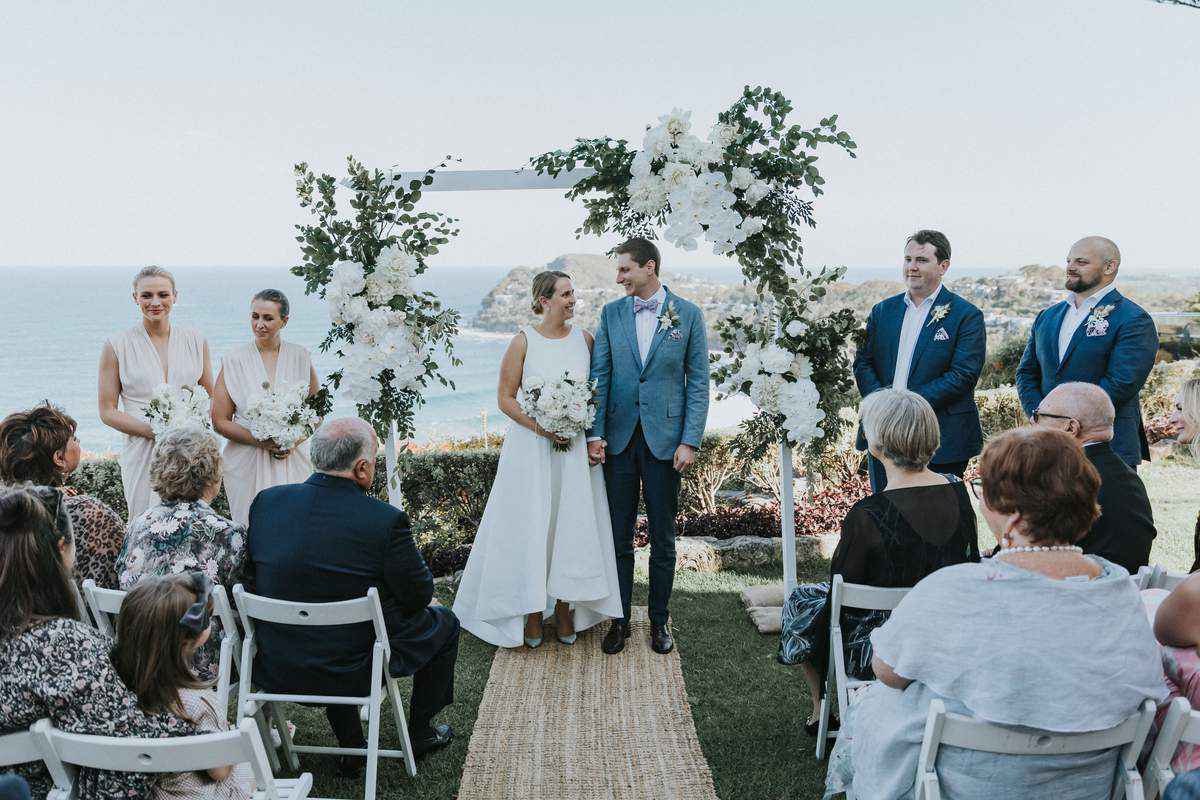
(661, 640)
(430, 739)
(614, 640)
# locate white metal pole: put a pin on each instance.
(787, 517)
(392, 479)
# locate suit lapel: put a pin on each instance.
(659, 332)
(892, 320)
(1049, 331)
(1111, 299)
(928, 329)
(625, 313)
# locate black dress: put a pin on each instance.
(891, 539)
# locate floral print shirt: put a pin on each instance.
(60, 669)
(184, 537)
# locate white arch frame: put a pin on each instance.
(507, 180)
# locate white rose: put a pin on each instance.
(742, 178)
(640, 168)
(348, 277)
(796, 328)
(776, 360)
(676, 174)
(755, 192)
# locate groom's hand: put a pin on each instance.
(685, 455)
(596, 452)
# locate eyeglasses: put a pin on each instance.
(1038, 415)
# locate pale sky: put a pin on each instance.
(150, 132)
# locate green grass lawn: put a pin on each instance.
(748, 708)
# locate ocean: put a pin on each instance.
(56, 320)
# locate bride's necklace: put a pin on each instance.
(1050, 548)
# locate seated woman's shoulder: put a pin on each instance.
(86, 508)
(70, 635)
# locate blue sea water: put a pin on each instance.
(55, 321)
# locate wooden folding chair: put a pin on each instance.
(837, 684)
(255, 608)
(65, 752)
(956, 730)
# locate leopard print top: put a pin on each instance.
(99, 534)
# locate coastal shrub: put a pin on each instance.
(822, 511)
(999, 410)
(1163, 384)
(450, 487)
(1000, 367)
(444, 549)
(716, 462)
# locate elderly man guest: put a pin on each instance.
(930, 341)
(1124, 532)
(327, 540)
(1096, 335)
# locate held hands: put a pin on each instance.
(685, 456)
(596, 452)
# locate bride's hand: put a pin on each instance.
(558, 440)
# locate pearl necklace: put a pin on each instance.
(1063, 548)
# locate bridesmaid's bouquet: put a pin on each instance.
(173, 407)
(565, 406)
(283, 415)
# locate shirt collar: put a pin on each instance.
(1094, 298)
(928, 301)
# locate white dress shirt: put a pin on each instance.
(646, 323)
(914, 320)
(1075, 317)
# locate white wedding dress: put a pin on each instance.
(545, 533)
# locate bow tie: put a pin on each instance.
(640, 305)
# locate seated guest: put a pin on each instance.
(922, 521)
(1124, 532)
(327, 540)
(183, 533)
(1185, 420)
(39, 446)
(51, 665)
(1040, 636)
(1184, 787)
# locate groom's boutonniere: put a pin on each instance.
(1097, 324)
(669, 318)
(938, 314)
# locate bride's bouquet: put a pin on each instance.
(173, 407)
(564, 407)
(282, 415)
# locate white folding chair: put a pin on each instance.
(1144, 576)
(23, 747)
(837, 684)
(956, 730)
(1163, 578)
(64, 752)
(254, 608)
(1181, 726)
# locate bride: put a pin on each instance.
(545, 544)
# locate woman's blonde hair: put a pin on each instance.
(902, 427)
(153, 271)
(543, 287)
(1189, 409)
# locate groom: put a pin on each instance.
(650, 364)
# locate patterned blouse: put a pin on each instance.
(183, 537)
(201, 706)
(60, 669)
(99, 533)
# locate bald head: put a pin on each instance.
(1092, 264)
(339, 444)
(1085, 403)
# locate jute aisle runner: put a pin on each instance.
(571, 723)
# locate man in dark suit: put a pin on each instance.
(930, 341)
(1124, 532)
(1098, 336)
(327, 540)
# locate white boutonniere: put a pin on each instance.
(1097, 323)
(669, 318)
(938, 314)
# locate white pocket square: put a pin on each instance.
(941, 335)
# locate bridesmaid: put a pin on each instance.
(137, 360)
(252, 465)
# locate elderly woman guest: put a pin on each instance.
(264, 364)
(134, 362)
(183, 533)
(1039, 636)
(921, 522)
(39, 446)
(52, 665)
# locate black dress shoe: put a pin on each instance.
(430, 739)
(614, 640)
(351, 766)
(661, 640)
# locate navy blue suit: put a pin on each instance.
(944, 368)
(326, 540)
(1118, 360)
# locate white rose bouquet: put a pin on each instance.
(282, 415)
(173, 407)
(565, 406)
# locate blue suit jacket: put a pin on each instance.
(326, 540)
(1118, 361)
(943, 371)
(668, 394)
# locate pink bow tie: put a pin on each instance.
(640, 305)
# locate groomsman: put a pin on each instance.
(930, 341)
(1097, 336)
